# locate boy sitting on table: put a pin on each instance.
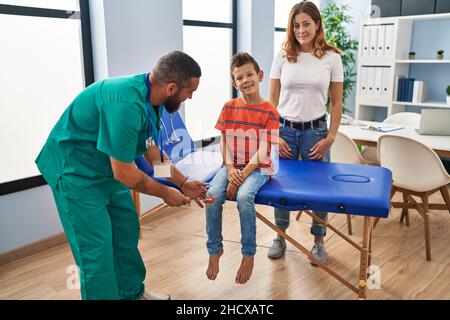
(249, 125)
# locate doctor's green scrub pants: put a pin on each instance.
(103, 235)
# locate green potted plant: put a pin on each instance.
(335, 17)
(448, 95)
(411, 55)
(440, 54)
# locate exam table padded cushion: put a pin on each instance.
(334, 187)
(305, 185)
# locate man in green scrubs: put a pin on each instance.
(88, 163)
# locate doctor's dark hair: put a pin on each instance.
(177, 67)
(240, 59)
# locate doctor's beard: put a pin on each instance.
(172, 104)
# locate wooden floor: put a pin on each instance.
(173, 248)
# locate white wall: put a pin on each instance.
(359, 10)
(126, 39)
(129, 39)
(26, 217)
(255, 34)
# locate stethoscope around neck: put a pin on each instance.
(169, 141)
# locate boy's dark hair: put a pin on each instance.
(241, 58)
(177, 67)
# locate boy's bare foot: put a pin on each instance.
(245, 270)
(213, 265)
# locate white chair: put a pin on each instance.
(407, 119)
(345, 150)
(416, 170)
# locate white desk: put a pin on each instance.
(440, 144)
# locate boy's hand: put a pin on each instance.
(232, 191)
(235, 176)
(194, 189)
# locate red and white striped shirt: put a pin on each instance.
(245, 127)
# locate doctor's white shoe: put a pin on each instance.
(154, 296)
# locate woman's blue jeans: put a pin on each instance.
(246, 206)
(301, 142)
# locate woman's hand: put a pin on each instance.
(285, 150)
(320, 149)
(235, 176)
(232, 191)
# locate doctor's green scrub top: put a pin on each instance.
(109, 118)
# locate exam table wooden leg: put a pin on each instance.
(349, 224)
(364, 260)
(307, 252)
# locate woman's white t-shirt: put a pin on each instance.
(305, 84)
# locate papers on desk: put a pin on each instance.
(347, 120)
(383, 127)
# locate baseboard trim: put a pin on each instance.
(151, 215)
(32, 248)
(154, 214)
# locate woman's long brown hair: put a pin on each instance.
(291, 45)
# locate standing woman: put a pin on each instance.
(303, 74)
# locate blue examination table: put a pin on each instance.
(296, 186)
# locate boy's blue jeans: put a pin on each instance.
(301, 143)
(246, 207)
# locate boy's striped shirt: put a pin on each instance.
(245, 127)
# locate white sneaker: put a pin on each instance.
(278, 248)
(154, 296)
(319, 252)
